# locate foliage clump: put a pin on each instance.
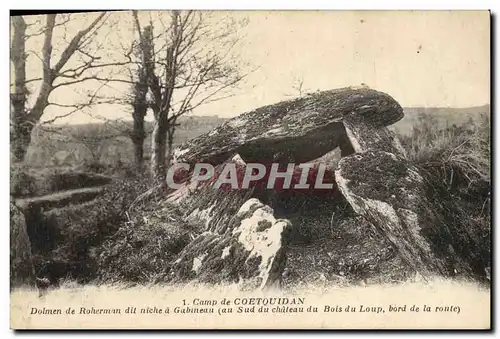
(455, 162)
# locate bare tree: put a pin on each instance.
(190, 63)
(54, 74)
(139, 101)
(298, 87)
(135, 74)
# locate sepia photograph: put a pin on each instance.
(189, 169)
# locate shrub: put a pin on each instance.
(21, 182)
(456, 162)
(67, 180)
(458, 156)
(69, 232)
(86, 225)
(142, 249)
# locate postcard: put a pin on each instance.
(250, 170)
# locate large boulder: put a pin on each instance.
(242, 241)
(382, 186)
(251, 252)
(297, 130)
(390, 193)
(21, 265)
(374, 176)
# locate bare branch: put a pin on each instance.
(93, 77)
(78, 71)
(77, 107)
(73, 45)
(51, 121)
(47, 46)
(43, 29)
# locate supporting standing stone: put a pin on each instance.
(382, 186)
(243, 242)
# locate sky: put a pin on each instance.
(421, 58)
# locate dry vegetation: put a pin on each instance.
(456, 162)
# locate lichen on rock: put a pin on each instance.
(296, 130)
(245, 253)
(389, 192)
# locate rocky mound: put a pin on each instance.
(251, 252)
(387, 198)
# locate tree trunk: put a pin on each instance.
(22, 120)
(20, 139)
(140, 105)
(22, 272)
(158, 149)
(20, 130)
(139, 152)
(170, 141)
(138, 135)
(168, 157)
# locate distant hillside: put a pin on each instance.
(109, 144)
(187, 123)
(445, 115)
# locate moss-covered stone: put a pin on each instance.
(392, 195)
(296, 130)
(380, 176)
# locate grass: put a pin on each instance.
(143, 248)
(456, 155)
(455, 161)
